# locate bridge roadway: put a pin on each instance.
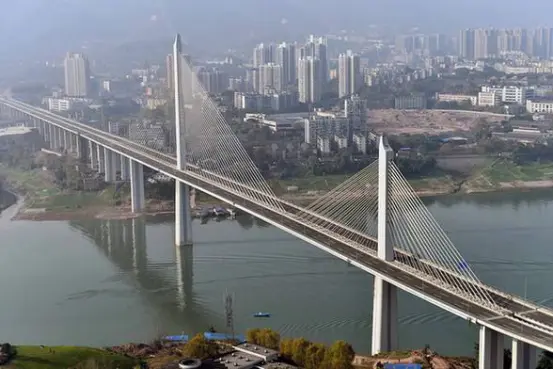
(509, 324)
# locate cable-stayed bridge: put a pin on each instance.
(374, 220)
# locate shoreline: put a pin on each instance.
(19, 211)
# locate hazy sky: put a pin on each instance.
(65, 23)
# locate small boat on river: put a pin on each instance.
(262, 315)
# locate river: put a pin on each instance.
(109, 282)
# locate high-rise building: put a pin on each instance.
(350, 78)
(270, 79)
(285, 56)
(316, 48)
(213, 80)
(263, 54)
(355, 111)
(77, 75)
(466, 42)
(309, 79)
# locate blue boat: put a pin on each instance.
(262, 315)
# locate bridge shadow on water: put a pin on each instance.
(169, 290)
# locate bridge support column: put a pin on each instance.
(66, 141)
(60, 139)
(491, 349)
(124, 168)
(183, 219)
(50, 136)
(82, 148)
(137, 187)
(93, 155)
(524, 356)
(385, 306)
(109, 167)
(100, 156)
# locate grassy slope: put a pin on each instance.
(502, 171)
(34, 357)
(42, 193)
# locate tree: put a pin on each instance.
(315, 355)
(286, 347)
(201, 348)
(264, 337)
(269, 338)
(299, 348)
(252, 336)
(339, 356)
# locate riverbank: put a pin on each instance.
(158, 356)
(45, 201)
(55, 357)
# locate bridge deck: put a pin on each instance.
(152, 159)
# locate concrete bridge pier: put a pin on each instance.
(109, 165)
(93, 156)
(82, 148)
(66, 141)
(137, 187)
(59, 132)
(524, 356)
(117, 164)
(100, 156)
(491, 349)
(49, 136)
(183, 217)
(385, 305)
(124, 162)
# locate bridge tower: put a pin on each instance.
(384, 335)
(183, 219)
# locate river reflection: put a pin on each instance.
(102, 282)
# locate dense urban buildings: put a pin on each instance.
(483, 43)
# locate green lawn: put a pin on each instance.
(505, 171)
(42, 193)
(64, 357)
(311, 183)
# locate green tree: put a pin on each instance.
(339, 356)
(299, 348)
(201, 348)
(286, 347)
(315, 355)
(252, 336)
(269, 338)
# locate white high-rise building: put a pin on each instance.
(270, 79)
(316, 47)
(309, 80)
(263, 54)
(285, 56)
(350, 77)
(77, 75)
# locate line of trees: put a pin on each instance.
(304, 353)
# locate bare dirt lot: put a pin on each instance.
(394, 121)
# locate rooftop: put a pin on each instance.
(238, 360)
(256, 350)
